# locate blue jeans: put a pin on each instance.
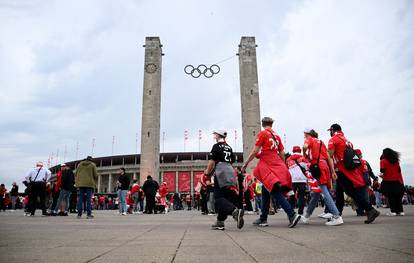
(329, 202)
(84, 195)
(63, 196)
(378, 201)
(122, 200)
(279, 198)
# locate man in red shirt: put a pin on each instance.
(350, 181)
(272, 172)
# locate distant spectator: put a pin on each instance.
(37, 178)
(14, 194)
(123, 186)
(86, 174)
(67, 185)
(3, 191)
(150, 188)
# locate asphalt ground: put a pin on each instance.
(186, 236)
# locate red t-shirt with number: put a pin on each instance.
(268, 143)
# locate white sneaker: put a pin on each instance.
(401, 214)
(250, 212)
(305, 220)
(325, 216)
(391, 214)
(335, 221)
(124, 213)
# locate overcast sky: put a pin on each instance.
(71, 71)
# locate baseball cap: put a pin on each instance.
(307, 130)
(222, 133)
(335, 127)
(296, 149)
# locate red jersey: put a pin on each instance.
(58, 181)
(314, 145)
(337, 144)
(391, 171)
(135, 188)
(266, 140)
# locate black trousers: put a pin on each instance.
(394, 190)
(37, 189)
(203, 200)
(343, 184)
(225, 202)
(55, 196)
(248, 201)
(300, 190)
(150, 199)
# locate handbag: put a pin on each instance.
(314, 168)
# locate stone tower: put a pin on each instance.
(151, 106)
(249, 92)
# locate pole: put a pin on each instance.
(113, 143)
(136, 143)
(93, 146)
(64, 154)
(199, 139)
(163, 142)
(77, 150)
(235, 140)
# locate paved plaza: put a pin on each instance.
(185, 236)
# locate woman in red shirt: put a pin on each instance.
(392, 184)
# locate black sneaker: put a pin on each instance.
(260, 222)
(219, 225)
(293, 220)
(89, 217)
(238, 216)
(371, 215)
(53, 214)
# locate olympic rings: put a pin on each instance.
(202, 69)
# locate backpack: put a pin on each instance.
(351, 159)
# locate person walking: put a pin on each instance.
(376, 187)
(296, 164)
(3, 192)
(150, 189)
(85, 177)
(272, 172)
(321, 165)
(37, 178)
(349, 179)
(220, 162)
(66, 187)
(14, 194)
(392, 185)
(123, 186)
(135, 195)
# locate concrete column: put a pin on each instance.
(249, 92)
(110, 183)
(176, 181)
(134, 177)
(151, 106)
(99, 183)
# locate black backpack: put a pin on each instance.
(351, 159)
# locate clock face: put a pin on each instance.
(150, 68)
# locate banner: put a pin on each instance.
(184, 181)
(169, 178)
(197, 176)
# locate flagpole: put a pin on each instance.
(93, 146)
(113, 143)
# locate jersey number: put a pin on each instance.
(274, 144)
(227, 156)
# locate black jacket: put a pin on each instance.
(150, 187)
(124, 180)
(14, 191)
(67, 180)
